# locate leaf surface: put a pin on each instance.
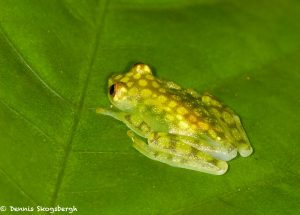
(55, 58)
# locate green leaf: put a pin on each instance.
(55, 58)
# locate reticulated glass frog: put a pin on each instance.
(183, 128)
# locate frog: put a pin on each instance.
(175, 125)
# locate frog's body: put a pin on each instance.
(184, 129)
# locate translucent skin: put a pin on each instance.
(183, 128)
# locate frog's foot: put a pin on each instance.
(245, 150)
(103, 111)
(178, 154)
(242, 140)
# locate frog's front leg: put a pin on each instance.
(171, 150)
(110, 112)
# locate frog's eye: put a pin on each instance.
(117, 91)
(112, 90)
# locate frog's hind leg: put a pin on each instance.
(231, 123)
(185, 156)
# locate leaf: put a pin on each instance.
(55, 58)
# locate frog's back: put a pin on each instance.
(201, 116)
(164, 106)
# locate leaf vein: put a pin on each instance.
(26, 64)
(25, 119)
(22, 191)
(103, 152)
(79, 109)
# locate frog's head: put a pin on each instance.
(124, 90)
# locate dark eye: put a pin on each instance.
(112, 90)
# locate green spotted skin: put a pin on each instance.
(183, 128)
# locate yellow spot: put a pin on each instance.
(146, 68)
(216, 112)
(143, 69)
(193, 126)
(137, 76)
(206, 99)
(150, 77)
(143, 82)
(216, 103)
(170, 117)
(168, 109)
(192, 92)
(172, 85)
(146, 93)
(133, 91)
(139, 68)
(179, 117)
(203, 126)
(236, 134)
(212, 133)
(162, 99)
(227, 117)
(118, 77)
(172, 104)
(182, 110)
(125, 79)
(192, 118)
(164, 142)
(136, 121)
(129, 84)
(183, 124)
(162, 90)
(129, 74)
(145, 128)
(183, 148)
(155, 84)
